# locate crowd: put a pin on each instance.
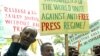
(20, 44)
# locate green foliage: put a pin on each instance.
(58, 39)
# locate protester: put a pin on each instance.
(73, 51)
(21, 43)
(47, 49)
(14, 47)
(96, 50)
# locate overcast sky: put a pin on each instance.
(94, 10)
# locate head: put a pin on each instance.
(96, 49)
(73, 51)
(28, 36)
(47, 49)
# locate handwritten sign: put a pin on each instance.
(13, 18)
(63, 16)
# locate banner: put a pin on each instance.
(17, 14)
(88, 39)
(63, 16)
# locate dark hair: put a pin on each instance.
(44, 44)
(26, 28)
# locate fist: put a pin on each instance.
(15, 38)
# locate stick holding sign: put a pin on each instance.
(66, 45)
(78, 45)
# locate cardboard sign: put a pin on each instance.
(63, 16)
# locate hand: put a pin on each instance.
(16, 38)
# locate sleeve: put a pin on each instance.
(13, 49)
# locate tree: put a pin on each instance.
(59, 40)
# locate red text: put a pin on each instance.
(50, 26)
(83, 16)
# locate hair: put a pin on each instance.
(44, 44)
(28, 27)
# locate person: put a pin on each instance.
(96, 50)
(21, 42)
(73, 51)
(14, 47)
(47, 49)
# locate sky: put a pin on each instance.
(94, 10)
